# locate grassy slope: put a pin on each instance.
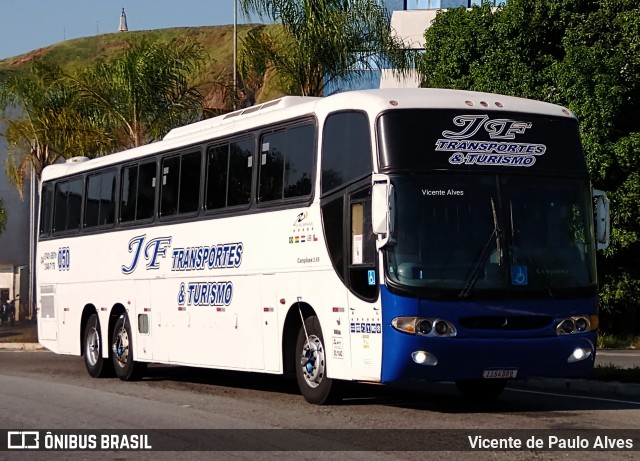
(82, 52)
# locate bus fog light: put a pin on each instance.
(580, 353)
(424, 358)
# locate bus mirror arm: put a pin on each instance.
(602, 217)
(382, 208)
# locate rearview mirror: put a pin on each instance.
(382, 208)
(602, 218)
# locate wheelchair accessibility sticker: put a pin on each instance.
(519, 276)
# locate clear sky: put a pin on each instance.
(27, 25)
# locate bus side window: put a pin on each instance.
(128, 190)
(180, 191)
(229, 173)
(286, 163)
(99, 209)
(146, 196)
(346, 150)
(67, 205)
(46, 210)
(137, 192)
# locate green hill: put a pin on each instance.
(82, 52)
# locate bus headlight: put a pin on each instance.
(577, 324)
(432, 327)
(425, 326)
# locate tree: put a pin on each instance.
(132, 99)
(48, 126)
(3, 217)
(600, 79)
(319, 41)
(584, 54)
(142, 93)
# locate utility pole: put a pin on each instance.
(32, 239)
(235, 53)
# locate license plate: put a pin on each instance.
(500, 374)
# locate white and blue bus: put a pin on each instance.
(375, 236)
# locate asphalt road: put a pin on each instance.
(619, 358)
(43, 391)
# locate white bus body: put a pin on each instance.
(227, 289)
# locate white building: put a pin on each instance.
(409, 20)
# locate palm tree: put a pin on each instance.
(319, 41)
(49, 126)
(143, 92)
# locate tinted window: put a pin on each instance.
(46, 209)
(286, 163)
(427, 139)
(346, 149)
(100, 199)
(332, 221)
(137, 198)
(68, 205)
(229, 169)
(180, 184)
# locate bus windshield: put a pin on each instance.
(469, 235)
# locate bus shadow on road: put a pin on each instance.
(445, 398)
(428, 396)
(223, 378)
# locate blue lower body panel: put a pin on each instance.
(534, 351)
(461, 359)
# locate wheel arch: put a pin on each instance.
(87, 311)
(292, 324)
(116, 311)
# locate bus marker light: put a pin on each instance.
(424, 358)
(405, 324)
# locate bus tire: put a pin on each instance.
(96, 365)
(311, 365)
(481, 389)
(122, 351)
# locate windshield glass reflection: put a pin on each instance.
(469, 235)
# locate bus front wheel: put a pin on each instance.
(481, 389)
(122, 351)
(311, 365)
(96, 365)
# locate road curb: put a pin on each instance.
(21, 347)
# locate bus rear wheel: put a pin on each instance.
(122, 351)
(481, 389)
(96, 365)
(311, 365)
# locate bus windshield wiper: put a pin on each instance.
(484, 254)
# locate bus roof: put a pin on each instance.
(290, 107)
